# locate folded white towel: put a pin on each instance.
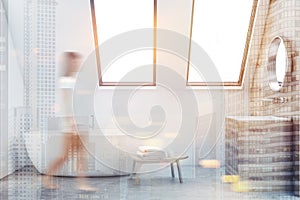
(150, 149)
(152, 155)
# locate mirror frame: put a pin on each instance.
(272, 66)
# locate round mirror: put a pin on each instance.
(277, 63)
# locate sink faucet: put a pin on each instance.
(280, 100)
(276, 100)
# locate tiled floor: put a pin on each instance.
(202, 184)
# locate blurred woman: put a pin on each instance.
(72, 139)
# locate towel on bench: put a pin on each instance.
(151, 153)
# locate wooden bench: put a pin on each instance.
(171, 160)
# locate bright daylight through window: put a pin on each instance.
(223, 30)
(113, 17)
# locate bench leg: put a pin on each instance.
(137, 176)
(179, 171)
(133, 168)
(172, 170)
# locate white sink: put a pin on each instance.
(258, 118)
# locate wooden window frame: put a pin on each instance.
(245, 55)
(98, 56)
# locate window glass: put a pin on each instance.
(220, 28)
(114, 17)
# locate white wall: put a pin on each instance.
(74, 32)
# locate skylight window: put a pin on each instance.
(114, 17)
(223, 29)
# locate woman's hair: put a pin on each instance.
(68, 57)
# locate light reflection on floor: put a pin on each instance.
(204, 184)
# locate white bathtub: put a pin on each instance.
(109, 161)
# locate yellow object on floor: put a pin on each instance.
(210, 164)
(240, 186)
(230, 178)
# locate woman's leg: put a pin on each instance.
(82, 155)
(82, 164)
(59, 161)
